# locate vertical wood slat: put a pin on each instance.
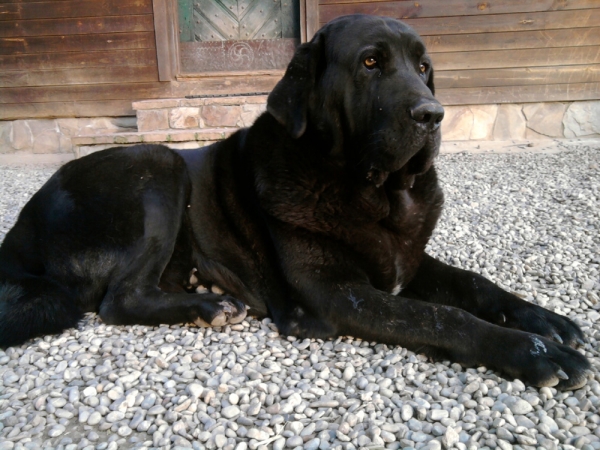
(302, 21)
(166, 32)
(312, 18)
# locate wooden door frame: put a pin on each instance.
(166, 31)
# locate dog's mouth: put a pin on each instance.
(402, 178)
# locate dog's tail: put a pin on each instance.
(29, 311)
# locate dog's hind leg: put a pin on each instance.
(133, 296)
(32, 307)
(151, 306)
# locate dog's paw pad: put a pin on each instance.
(216, 290)
(201, 323)
(201, 290)
(219, 320)
(239, 315)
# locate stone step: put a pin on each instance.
(181, 139)
(204, 112)
(180, 122)
(166, 103)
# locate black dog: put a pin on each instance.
(317, 215)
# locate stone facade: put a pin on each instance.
(582, 119)
(193, 122)
(529, 121)
(199, 113)
(54, 135)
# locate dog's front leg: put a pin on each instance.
(439, 331)
(443, 284)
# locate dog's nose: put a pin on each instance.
(427, 112)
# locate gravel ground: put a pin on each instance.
(530, 222)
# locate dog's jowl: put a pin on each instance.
(318, 215)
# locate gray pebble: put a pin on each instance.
(56, 430)
(94, 418)
(294, 441)
(230, 412)
(313, 444)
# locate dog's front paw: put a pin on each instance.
(537, 320)
(224, 311)
(303, 325)
(541, 362)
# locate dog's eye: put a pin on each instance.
(423, 67)
(370, 62)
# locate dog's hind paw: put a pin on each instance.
(227, 311)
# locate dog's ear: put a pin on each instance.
(289, 100)
(430, 84)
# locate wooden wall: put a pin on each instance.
(500, 51)
(86, 58)
(74, 57)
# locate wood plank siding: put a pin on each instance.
(501, 51)
(49, 47)
(90, 58)
(86, 58)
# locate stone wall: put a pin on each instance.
(54, 135)
(530, 121)
(199, 113)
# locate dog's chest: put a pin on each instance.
(383, 232)
(391, 249)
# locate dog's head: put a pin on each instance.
(365, 85)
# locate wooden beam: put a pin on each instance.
(135, 91)
(312, 18)
(167, 38)
(529, 57)
(519, 94)
(302, 21)
(76, 43)
(72, 8)
(492, 23)
(518, 76)
(447, 8)
(79, 76)
(25, 1)
(83, 25)
(554, 20)
(572, 37)
(47, 61)
(96, 108)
